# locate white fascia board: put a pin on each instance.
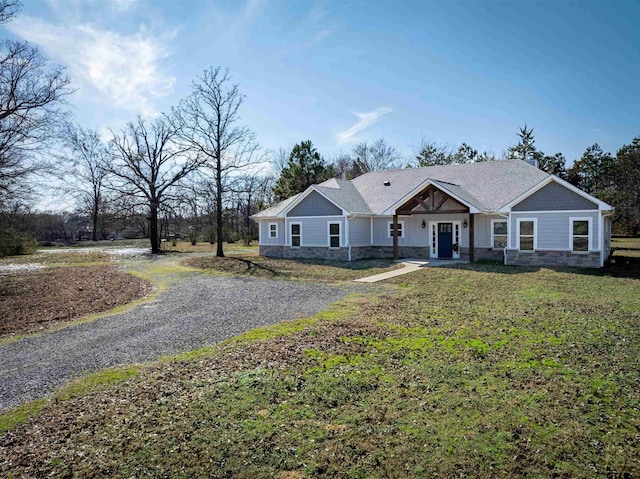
(293, 204)
(306, 193)
(390, 211)
(602, 206)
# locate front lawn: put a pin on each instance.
(295, 269)
(476, 371)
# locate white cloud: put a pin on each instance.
(123, 5)
(124, 70)
(365, 121)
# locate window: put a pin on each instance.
(526, 235)
(580, 235)
(296, 235)
(334, 235)
(273, 230)
(498, 234)
(434, 238)
(400, 229)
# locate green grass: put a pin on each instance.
(93, 382)
(628, 247)
(476, 371)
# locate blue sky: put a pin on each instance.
(341, 72)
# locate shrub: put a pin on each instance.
(13, 242)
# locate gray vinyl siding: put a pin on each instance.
(414, 234)
(553, 229)
(264, 233)
(315, 205)
(482, 227)
(360, 231)
(554, 197)
(315, 231)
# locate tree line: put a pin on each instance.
(614, 179)
(197, 171)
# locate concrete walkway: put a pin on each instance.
(409, 266)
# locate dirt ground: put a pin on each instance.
(34, 300)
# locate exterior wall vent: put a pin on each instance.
(387, 183)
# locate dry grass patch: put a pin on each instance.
(31, 302)
(477, 371)
(298, 269)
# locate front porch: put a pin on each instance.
(450, 222)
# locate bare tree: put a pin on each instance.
(8, 8)
(375, 156)
(30, 99)
(84, 171)
(147, 163)
(279, 159)
(343, 166)
(209, 119)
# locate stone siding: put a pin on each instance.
(489, 254)
(554, 258)
(514, 257)
(272, 251)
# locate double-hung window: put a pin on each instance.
(273, 230)
(580, 235)
(334, 235)
(400, 229)
(296, 235)
(498, 234)
(526, 234)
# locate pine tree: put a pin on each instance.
(305, 168)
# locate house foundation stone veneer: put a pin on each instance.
(473, 211)
(553, 258)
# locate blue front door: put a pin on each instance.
(445, 240)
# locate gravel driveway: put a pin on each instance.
(192, 313)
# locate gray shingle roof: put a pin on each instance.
(344, 194)
(276, 209)
(487, 186)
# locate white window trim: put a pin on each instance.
(290, 235)
(535, 234)
(589, 221)
(433, 253)
(493, 222)
(400, 229)
(269, 230)
(329, 234)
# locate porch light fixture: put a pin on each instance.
(464, 223)
(424, 225)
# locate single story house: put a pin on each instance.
(508, 211)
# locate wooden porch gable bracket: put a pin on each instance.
(427, 199)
